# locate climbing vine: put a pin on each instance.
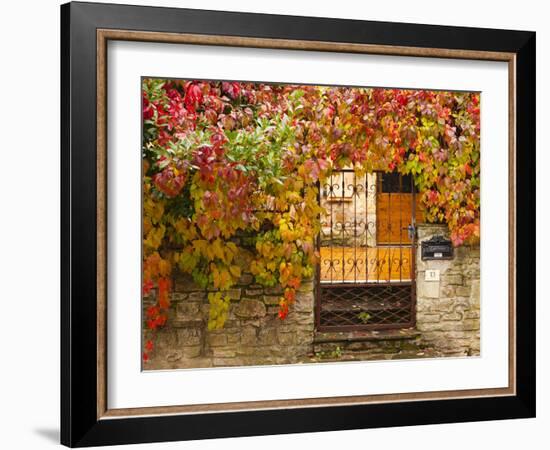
(226, 159)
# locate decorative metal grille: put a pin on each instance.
(367, 250)
(369, 306)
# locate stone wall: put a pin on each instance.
(252, 335)
(448, 310)
(447, 321)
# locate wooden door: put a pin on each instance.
(396, 205)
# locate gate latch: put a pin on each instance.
(411, 231)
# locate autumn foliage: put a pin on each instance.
(222, 159)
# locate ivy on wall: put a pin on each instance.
(225, 158)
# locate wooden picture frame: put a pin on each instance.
(86, 419)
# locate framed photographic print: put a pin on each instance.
(277, 224)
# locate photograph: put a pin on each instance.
(275, 225)
(300, 224)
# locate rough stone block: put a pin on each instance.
(245, 279)
(428, 318)
(463, 291)
(217, 339)
(272, 299)
(453, 279)
(286, 338)
(304, 337)
(471, 324)
(304, 301)
(166, 339)
(423, 326)
(443, 305)
(448, 291)
(189, 310)
(276, 290)
(300, 318)
(474, 293)
(178, 296)
(455, 315)
(424, 306)
(250, 308)
(267, 336)
(256, 323)
(174, 356)
(249, 336)
(189, 336)
(223, 352)
(458, 334)
(191, 352)
(254, 292)
(199, 296)
(457, 325)
(245, 350)
(428, 289)
(233, 338)
(234, 294)
(427, 230)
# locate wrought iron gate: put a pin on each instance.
(366, 273)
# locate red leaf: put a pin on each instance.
(164, 287)
(283, 309)
(147, 286)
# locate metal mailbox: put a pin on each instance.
(438, 247)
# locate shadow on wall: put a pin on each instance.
(49, 434)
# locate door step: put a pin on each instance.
(369, 345)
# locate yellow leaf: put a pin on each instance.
(218, 249)
(209, 252)
(200, 245)
(231, 246)
(215, 276)
(235, 271)
(164, 268)
(225, 279)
